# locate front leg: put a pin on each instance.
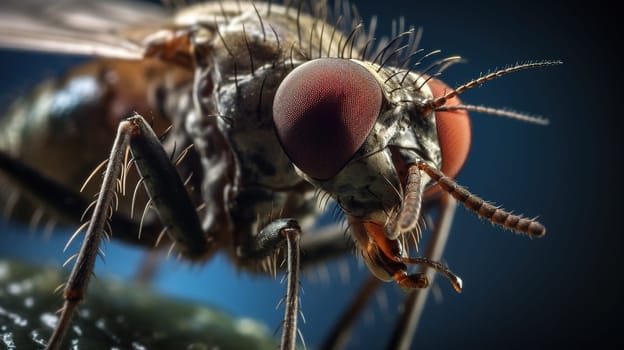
(415, 299)
(264, 244)
(167, 194)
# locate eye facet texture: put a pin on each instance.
(323, 111)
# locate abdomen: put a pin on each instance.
(65, 127)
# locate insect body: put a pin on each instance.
(271, 106)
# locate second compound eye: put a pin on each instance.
(323, 112)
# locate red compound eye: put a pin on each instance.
(454, 133)
(323, 111)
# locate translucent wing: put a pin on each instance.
(81, 27)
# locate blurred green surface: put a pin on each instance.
(114, 316)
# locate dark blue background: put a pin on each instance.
(561, 289)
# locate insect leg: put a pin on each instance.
(270, 238)
(326, 243)
(486, 210)
(83, 268)
(415, 300)
(166, 191)
(340, 332)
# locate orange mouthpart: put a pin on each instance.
(383, 254)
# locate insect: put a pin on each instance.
(248, 113)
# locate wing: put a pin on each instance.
(112, 29)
